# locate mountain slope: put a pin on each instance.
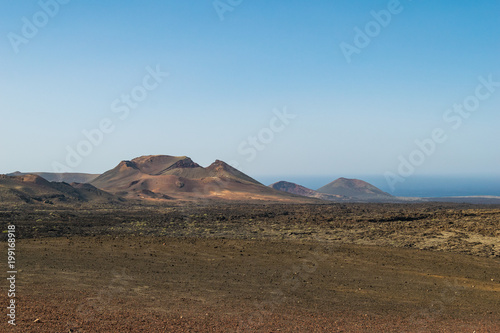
(304, 191)
(33, 188)
(178, 177)
(356, 189)
(60, 177)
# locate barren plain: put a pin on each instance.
(430, 267)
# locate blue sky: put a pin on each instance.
(228, 79)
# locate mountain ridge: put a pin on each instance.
(31, 188)
(165, 177)
(68, 177)
(179, 177)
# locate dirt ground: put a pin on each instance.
(332, 268)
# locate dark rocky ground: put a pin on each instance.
(468, 229)
(257, 268)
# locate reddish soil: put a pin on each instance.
(94, 272)
(103, 284)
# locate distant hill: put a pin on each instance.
(163, 177)
(60, 177)
(356, 189)
(178, 177)
(33, 188)
(304, 191)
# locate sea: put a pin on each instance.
(413, 186)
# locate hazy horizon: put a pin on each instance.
(415, 186)
(418, 185)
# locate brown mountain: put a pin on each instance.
(60, 177)
(356, 189)
(178, 177)
(33, 188)
(304, 191)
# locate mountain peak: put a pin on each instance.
(352, 183)
(31, 178)
(155, 158)
(157, 164)
(293, 188)
(220, 165)
(354, 188)
(222, 169)
(184, 162)
(127, 164)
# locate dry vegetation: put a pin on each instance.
(470, 229)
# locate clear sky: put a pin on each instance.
(68, 68)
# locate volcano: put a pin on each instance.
(356, 189)
(178, 177)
